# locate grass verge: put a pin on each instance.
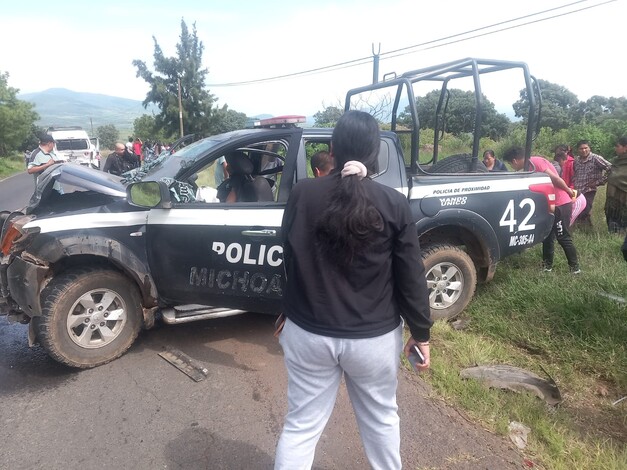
(562, 323)
(11, 165)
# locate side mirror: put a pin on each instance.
(149, 194)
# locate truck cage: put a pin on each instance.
(445, 73)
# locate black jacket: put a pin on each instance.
(116, 164)
(384, 282)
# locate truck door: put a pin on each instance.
(226, 254)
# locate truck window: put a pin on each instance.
(266, 158)
(72, 144)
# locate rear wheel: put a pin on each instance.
(451, 280)
(89, 317)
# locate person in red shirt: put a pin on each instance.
(563, 208)
(566, 163)
(137, 148)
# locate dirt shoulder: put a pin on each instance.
(433, 435)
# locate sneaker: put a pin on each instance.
(575, 271)
(547, 270)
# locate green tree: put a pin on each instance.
(601, 142)
(328, 117)
(196, 100)
(224, 120)
(108, 136)
(617, 108)
(460, 114)
(591, 111)
(32, 139)
(559, 106)
(145, 127)
(16, 117)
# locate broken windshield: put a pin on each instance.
(170, 165)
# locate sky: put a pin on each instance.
(90, 46)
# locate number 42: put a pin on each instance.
(509, 218)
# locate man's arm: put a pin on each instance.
(34, 168)
(559, 182)
(606, 167)
(108, 163)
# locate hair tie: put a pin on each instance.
(354, 168)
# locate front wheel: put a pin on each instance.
(90, 316)
(451, 280)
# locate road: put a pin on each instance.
(16, 190)
(140, 411)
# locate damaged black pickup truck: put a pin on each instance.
(88, 269)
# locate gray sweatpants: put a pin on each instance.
(314, 367)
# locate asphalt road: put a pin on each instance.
(16, 190)
(141, 412)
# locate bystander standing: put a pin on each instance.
(44, 157)
(616, 199)
(563, 208)
(590, 172)
(353, 269)
(565, 164)
(121, 160)
(492, 163)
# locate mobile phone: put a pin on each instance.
(415, 356)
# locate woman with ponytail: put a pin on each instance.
(353, 268)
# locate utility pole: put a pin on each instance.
(180, 108)
(375, 64)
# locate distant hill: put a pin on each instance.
(62, 107)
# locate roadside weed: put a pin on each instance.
(11, 165)
(572, 327)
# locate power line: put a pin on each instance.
(490, 32)
(431, 44)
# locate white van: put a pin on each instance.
(72, 144)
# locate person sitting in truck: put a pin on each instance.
(322, 163)
(563, 207)
(241, 185)
(43, 157)
(120, 161)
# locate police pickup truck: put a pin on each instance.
(89, 269)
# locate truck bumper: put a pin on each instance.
(21, 285)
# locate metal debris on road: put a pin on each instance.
(515, 379)
(185, 364)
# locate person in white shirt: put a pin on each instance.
(44, 157)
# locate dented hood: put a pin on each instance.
(80, 177)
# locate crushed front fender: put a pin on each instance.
(25, 281)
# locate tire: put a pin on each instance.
(451, 280)
(78, 336)
(457, 164)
